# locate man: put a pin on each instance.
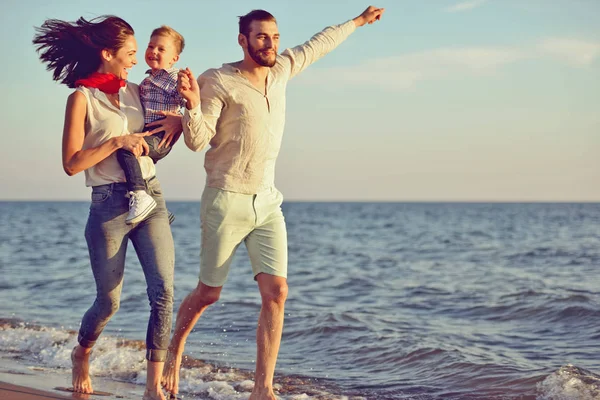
(240, 110)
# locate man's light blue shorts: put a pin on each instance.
(230, 218)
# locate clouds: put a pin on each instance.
(579, 53)
(405, 71)
(465, 6)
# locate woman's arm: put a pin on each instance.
(74, 158)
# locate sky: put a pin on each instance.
(442, 100)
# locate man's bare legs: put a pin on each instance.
(80, 358)
(189, 312)
(153, 387)
(273, 291)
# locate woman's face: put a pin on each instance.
(120, 62)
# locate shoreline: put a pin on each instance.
(18, 392)
(20, 381)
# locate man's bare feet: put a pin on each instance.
(154, 395)
(266, 394)
(80, 357)
(170, 377)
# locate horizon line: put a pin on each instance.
(463, 201)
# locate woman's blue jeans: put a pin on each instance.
(107, 236)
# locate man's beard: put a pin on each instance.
(262, 59)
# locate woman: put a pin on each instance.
(103, 114)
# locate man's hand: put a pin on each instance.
(188, 88)
(171, 124)
(370, 15)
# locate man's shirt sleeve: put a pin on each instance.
(200, 123)
(297, 59)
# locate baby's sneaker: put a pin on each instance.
(140, 205)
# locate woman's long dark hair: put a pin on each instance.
(72, 50)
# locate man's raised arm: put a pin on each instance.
(370, 15)
(298, 58)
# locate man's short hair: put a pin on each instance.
(173, 34)
(254, 15)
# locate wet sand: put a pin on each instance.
(9, 391)
(22, 382)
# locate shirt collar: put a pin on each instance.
(159, 71)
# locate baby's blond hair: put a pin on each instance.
(173, 34)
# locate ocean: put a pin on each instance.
(387, 301)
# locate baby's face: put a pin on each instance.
(161, 52)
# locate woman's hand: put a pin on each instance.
(135, 143)
(172, 126)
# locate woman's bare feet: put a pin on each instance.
(80, 357)
(170, 376)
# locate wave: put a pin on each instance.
(570, 383)
(123, 360)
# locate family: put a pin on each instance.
(116, 131)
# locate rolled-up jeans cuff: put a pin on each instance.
(83, 342)
(156, 355)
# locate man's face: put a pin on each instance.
(263, 42)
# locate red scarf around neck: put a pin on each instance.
(108, 83)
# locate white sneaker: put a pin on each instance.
(140, 205)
